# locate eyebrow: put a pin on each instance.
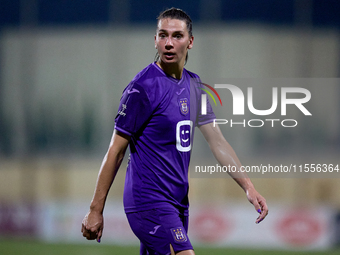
(166, 31)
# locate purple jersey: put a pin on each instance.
(155, 110)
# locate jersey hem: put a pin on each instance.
(163, 205)
(205, 122)
(123, 131)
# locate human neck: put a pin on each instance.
(173, 70)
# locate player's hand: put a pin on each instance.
(259, 203)
(92, 226)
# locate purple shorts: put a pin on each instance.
(158, 228)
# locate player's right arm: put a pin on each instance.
(93, 223)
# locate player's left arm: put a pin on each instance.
(225, 155)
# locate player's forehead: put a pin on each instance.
(172, 25)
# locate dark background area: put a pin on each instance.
(323, 13)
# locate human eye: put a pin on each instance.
(161, 35)
(178, 36)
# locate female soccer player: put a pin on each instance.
(156, 118)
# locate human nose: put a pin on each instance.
(168, 42)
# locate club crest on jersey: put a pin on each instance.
(183, 106)
(179, 235)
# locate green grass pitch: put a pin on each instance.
(15, 247)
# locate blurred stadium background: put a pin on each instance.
(64, 65)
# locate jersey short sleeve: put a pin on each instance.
(134, 110)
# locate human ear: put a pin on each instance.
(191, 42)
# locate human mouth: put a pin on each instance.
(169, 55)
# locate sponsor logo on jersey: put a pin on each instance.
(121, 112)
(133, 91)
(155, 229)
(179, 235)
(183, 105)
(183, 134)
(180, 92)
